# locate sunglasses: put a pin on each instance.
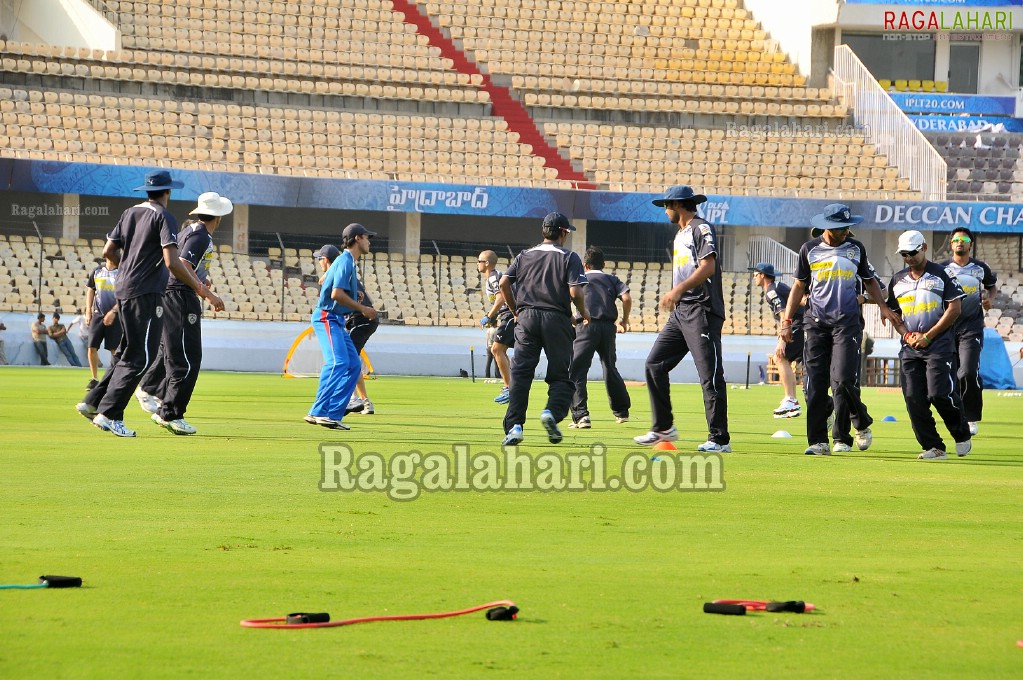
(909, 253)
(961, 239)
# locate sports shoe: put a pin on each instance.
(513, 437)
(148, 402)
(330, 423)
(819, 449)
(87, 411)
(92, 384)
(841, 447)
(309, 419)
(549, 424)
(583, 423)
(178, 426)
(713, 447)
(355, 405)
(653, 436)
(974, 428)
(863, 439)
(621, 419)
(963, 448)
(114, 426)
(789, 408)
(367, 407)
(503, 396)
(933, 454)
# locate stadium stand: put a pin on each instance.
(982, 166)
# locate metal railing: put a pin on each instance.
(766, 249)
(888, 128)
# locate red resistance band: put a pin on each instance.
(500, 610)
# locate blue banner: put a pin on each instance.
(926, 102)
(965, 123)
(498, 201)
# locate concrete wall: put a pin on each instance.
(791, 25)
(249, 346)
(73, 23)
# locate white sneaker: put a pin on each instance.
(974, 428)
(513, 437)
(330, 423)
(653, 436)
(933, 454)
(841, 447)
(309, 419)
(113, 426)
(148, 402)
(549, 424)
(583, 423)
(713, 447)
(367, 407)
(621, 419)
(963, 448)
(820, 449)
(355, 405)
(86, 410)
(863, 439)
(789, 408)
(179, 426)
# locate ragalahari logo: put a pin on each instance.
(940, 20)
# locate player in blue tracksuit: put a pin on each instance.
(973, 275)
(930, 301)
(338, 298)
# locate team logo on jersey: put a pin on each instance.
(192, 318)
(159, 312)
(705, 229)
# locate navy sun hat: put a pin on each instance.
(835, 216)
(765, 268)
(328, 251)
(680, 192)
(158, 180)
(557, 220)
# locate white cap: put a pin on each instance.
(213, 204)
(910, 240)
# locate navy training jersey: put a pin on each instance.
(491, 290)
(777, 296)
(356, 318)
(542, 276)
(923, 301)
(195, 246)
(831, 274)
(692, 244)
(103, 281)
(971, 276)
(142, 233)
(601, 291)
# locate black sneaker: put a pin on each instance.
(92, 385)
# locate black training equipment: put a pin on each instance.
(61, 581)
(502, 613)
(795, 606)
(301, 617)
(731, 609)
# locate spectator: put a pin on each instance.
(39, 335)
(59, 333)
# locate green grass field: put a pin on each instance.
(916, 567)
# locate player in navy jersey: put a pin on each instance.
(101, 315)
(697, 307)
(171, 381)
(978, 282)
(144, 244)
(776, 295)
(599, 335)
(830, 269)
(548, 281)
(360, 328)
(929, 300)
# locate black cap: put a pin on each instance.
(355, 229)
(556, 220)
(328, 251)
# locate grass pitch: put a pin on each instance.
(916, 567)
